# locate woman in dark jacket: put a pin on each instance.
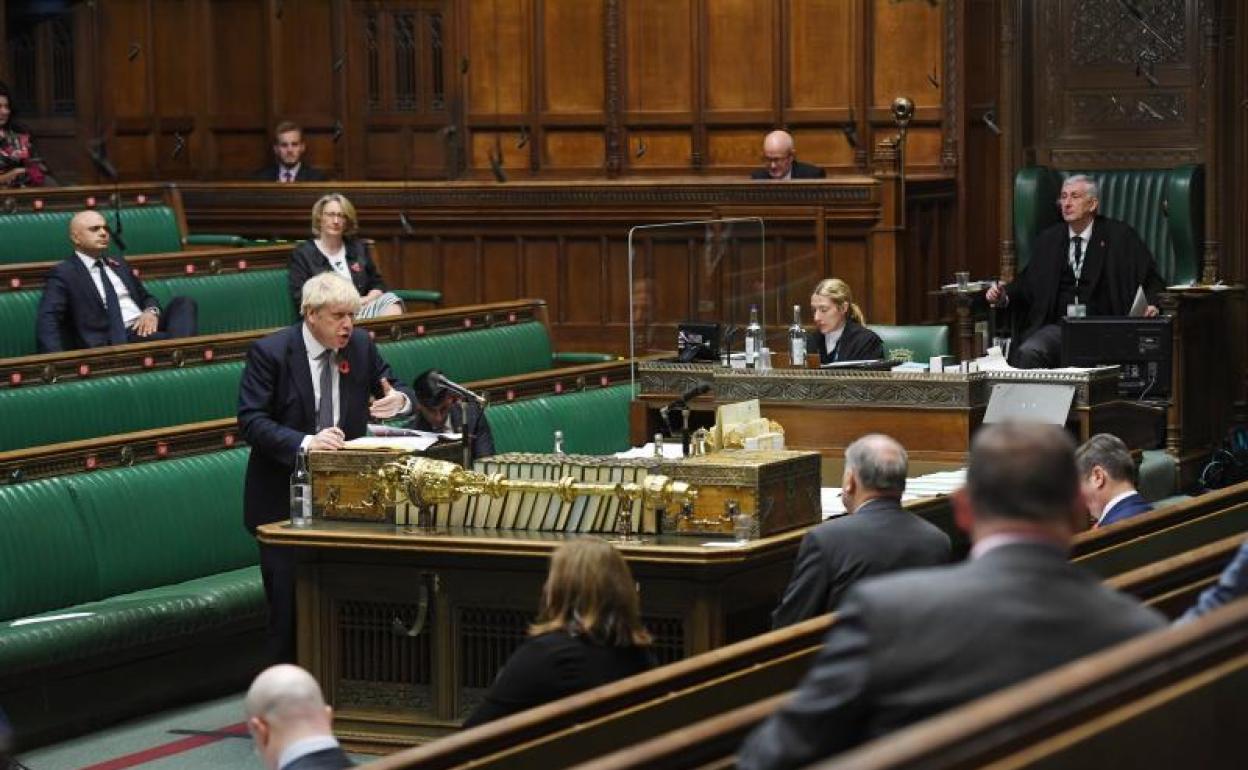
(840, 333)
(588, 633)
(336, 249)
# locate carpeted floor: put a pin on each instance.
(208, 735)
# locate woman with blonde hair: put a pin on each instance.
(336, 249)
(588, 633)
(840, 331)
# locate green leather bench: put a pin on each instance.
(81, 409)
(229, 302)
(592, 421)
(157, 560)
(1165, 206)
(42, 236)
(913, 343)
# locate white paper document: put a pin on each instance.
(417, 443)
(1139, 304)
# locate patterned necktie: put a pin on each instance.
(287, 176)
(116, 326)
(1076, 257)
(325, 404)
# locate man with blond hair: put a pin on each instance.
(292, 727)
(310, 386)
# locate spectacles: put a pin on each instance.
(775, 158)
(333, 215)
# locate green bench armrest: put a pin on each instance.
(212, 239)
(574, 357)
(419, 295)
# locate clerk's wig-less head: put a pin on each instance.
(839, 292)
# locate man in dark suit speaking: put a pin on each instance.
(782, 162)
(306, 387)
(908, 646)
(92, 300)
(1087, 263)
(876, 536)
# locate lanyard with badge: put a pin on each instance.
(1076, 256)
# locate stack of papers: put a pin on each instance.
(917, 488)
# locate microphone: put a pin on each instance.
(439, 380)
(96, 149)
(689, 395)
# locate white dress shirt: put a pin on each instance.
(1085, 238)
(315, 349)
(130, 310)
(302, 748)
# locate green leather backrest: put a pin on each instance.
(913, 343)
(18, 310)
(231, 302)
(46, 557)
(162, 523)
(592, 421)
(44, 235)
(499, 351)
(34, 415)
(47, 414)
(1165, 206)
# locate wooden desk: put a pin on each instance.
(477, 591)
(932, 415)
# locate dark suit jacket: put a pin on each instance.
(276, 409)
(879, 537)
(857, 343)
(911, 645)
(1231, 585)
(306, 174)
(308, 261)
(326, 759)
(800, 170)
(71, 312)
(552, 666)
(1115, 263)
(1125, 509)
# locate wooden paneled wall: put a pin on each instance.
(436, 89)
(567, 242)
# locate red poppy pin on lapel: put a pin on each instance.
(113, 263)
(344, 366)
(355, 267)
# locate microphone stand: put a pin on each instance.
(468, 433)
(684, 429)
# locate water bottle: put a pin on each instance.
(558, 442)
(301, 492)
(797, 340)
(753, 338)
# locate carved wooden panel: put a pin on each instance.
(1119, 85)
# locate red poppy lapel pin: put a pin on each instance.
(113, 263)
(355, 267)
(344, 366)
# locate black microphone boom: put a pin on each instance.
(441, 381)
(96, 149)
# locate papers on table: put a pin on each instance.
(671, 451)
(917, 488)
(1138, 305)
(418, 443)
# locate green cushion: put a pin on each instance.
(592, 421)
(913, 343)
(184, 517)
(43, 236)
(34, 415)
(182, 611)
(482, 354)
(18, 310)
(1165, 206)
(47, 414)
(46, 558)
(231, 302)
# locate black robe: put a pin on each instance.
(1115, 264)
(857, 343)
